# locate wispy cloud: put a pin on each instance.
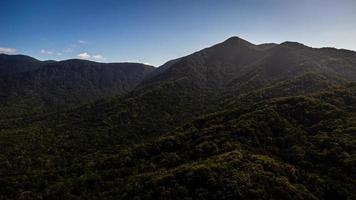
(68, 50)
(74, 46)
(7, 50)
(99, 57)
(49, 52)
(84, 56)
(82, 42)
(44, 51)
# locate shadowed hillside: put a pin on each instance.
(61, 85)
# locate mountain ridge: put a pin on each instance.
(62, 84)
(222, 69)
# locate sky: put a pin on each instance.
(156, 31)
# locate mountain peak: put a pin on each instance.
(292, 44)
(236, 40)
(16, 57)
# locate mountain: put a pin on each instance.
(10, 64)
(232, 68)
(290, 59)
(238, 66)
(183, 89)
(210, 68)
(233, 121)
(59, 85)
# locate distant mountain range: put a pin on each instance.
(234, 66)
(32, 86)
(232, 121)
(11, 64)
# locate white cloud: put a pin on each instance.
(138, 61)
(84, 56)
(99, 57)
(7, 50)
(82, 41)
(87, 56)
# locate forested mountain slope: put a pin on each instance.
(10, 64)
(233, 121)
(61, 85)
(239, 66)
(299, 147)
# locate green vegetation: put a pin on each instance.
(300, 147)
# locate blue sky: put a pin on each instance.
(155, 31)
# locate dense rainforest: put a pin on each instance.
(232, 121)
